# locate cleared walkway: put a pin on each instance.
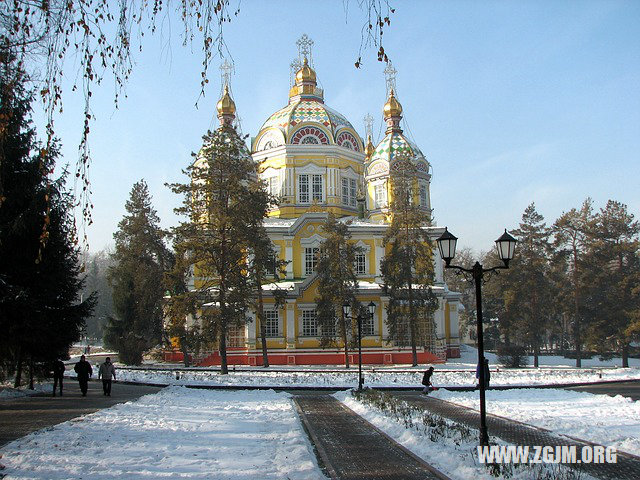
(516, 433)
(350, 448)
(24, 415)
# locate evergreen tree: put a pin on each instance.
(140, 259)
(96, 272)
(613, 265)
(407, 268)
(219, 202)
(40, 312)
(337, 284)
(571, 232)
(462, 284)
(529, 292)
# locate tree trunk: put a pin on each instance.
(31, 374)
(536, 353)
(576, 301)
(224, 368)
(412, 327)
(18, 378)
(625, 354)
(344, 340)
(263, 327)
(185, 351)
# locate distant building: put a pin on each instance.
(313, 159)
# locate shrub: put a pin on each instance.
(512, 356)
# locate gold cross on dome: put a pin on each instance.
(390, 77)
(368, 124)
(304, 44)
(226, 69)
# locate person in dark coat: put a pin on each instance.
(426, 380)
(58, 375)
(487, 374)
(84, 371)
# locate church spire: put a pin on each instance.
(226, 107)
(305, 84)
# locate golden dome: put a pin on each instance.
(306, 73)
(392, 108)
(369, 149)
(226, 105)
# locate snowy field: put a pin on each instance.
(177, 433)
(609, 421)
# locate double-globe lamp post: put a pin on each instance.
(505, 245)
(346, 309)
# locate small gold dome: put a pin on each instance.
(369, 149)
(306, 73)
(392, 108)
(226, 105)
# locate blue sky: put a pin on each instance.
(511, 102)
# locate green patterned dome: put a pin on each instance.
(307, 121)
(393, 145)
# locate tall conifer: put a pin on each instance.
(407, 268)
(139, 261)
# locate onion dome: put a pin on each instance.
(392, 108)
(369, 149)
(307, 120)
(226, 108)
(395, 145)
(392, 113)
(306, 74)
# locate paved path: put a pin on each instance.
(24, 415)
(350, 448)
(516, 433)
(629, 389)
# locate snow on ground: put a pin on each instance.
(176, 433)
(456, 460)
(609, 421)
(378, 378)
(10, 393)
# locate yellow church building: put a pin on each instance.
(313, 159)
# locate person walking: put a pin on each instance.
(107, 372)
(487, 374)
(426, 380)
(58, 375)
(84, 371)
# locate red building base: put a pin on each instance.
(310, 357)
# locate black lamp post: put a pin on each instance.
(505, 245)
(346, 309)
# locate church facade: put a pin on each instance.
(313, 159)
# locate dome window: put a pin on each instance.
(346, 140)
(309, 135)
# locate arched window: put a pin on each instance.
(309, 135)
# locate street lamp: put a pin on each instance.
(346, 309)
(505, 245)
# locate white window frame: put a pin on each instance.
(310, 259)
(272, 323)
(365, 249)
(303, 188)
(379, 195)
(360, 266)
(308, 323)
(423, 190)
(349, 191)
(368, 326)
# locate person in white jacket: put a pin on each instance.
(107, 372)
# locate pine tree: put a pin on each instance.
(337, 284)
(407, 268)
(219, 202)
(571, 232)
(529, 293)
(140, 259)
(614, 269)
(40, 312)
